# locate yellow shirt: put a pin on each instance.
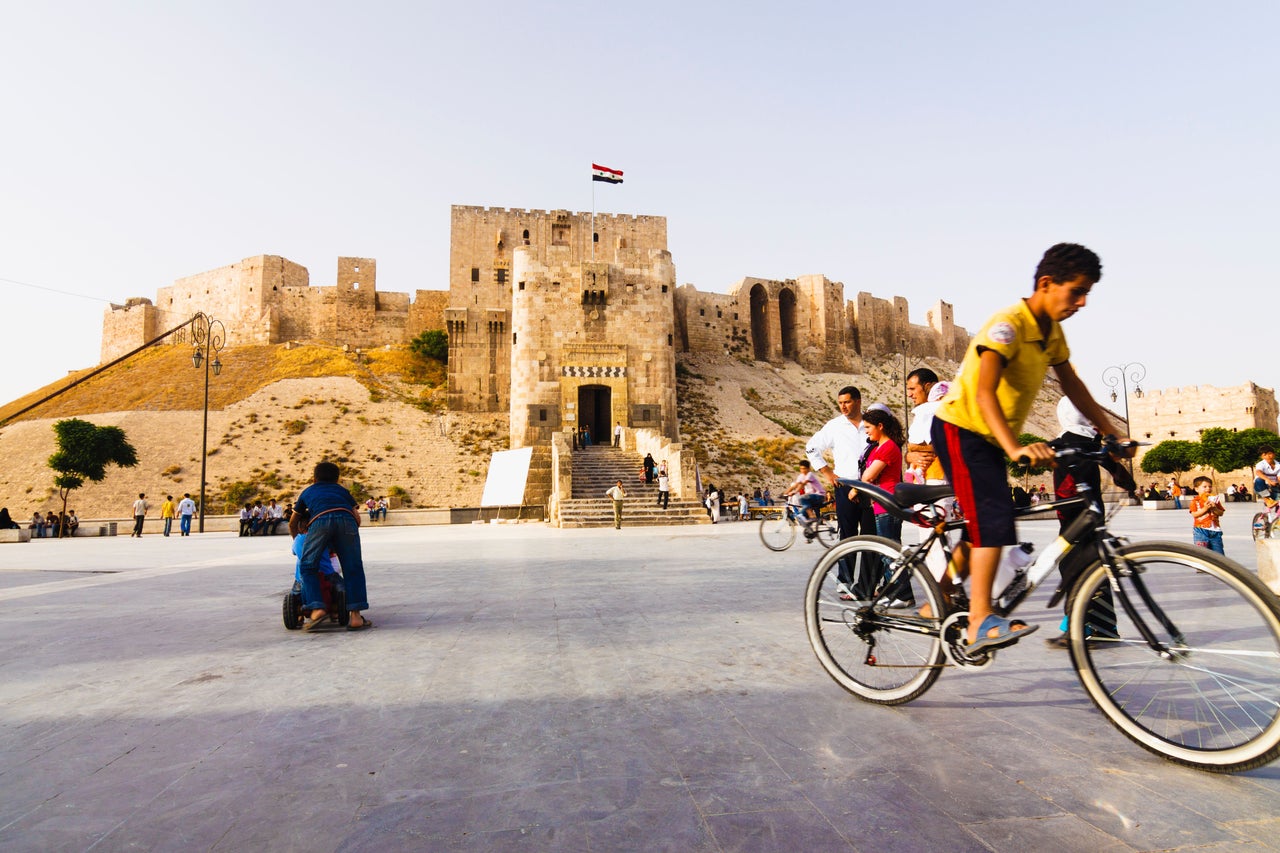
(166, 509)
(1027, 353)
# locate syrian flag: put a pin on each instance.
(604, 173)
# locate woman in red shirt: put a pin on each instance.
(884, 469)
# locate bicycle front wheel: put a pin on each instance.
(777, 534)
(879, 649)
(1187, 661)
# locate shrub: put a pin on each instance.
(294, 427)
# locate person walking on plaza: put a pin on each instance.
(139, 515)
(617, 494)
(1205, 510)
(844, 438)
(664, 489)
(186, 509)
(330, 516)
(166, 513)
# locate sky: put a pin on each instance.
(930, 150)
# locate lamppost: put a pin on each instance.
(208, 336)
(1121, 374)
(903, 343)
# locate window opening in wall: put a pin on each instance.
(702, 312)
(664, 288)
(501, 275)
(669, 341)
(526, 236)
(514, 335)
(521, 285)
(595, 238)
(542, 414)
(735, 315)
(644, 414)
(475, 273)
(718, 314)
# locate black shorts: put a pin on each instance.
(976, 469)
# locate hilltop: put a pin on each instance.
(276, 410)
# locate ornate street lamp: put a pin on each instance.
(208, 336)
(1122, 374)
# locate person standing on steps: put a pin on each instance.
(139, 515)
(617, 494)
(664, 487)
(649, 465)
(617, 435)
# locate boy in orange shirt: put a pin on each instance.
(1206, 509)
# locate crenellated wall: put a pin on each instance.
(268, 299)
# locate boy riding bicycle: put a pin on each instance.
(807, 491)
(978, 422)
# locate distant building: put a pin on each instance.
(1183, 413)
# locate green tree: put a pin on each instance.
(1225, 451)
(84, 452)
(1018, 469)
(433, 343)
(1172, 457)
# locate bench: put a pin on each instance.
(12, 535)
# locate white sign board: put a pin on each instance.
(508, 473)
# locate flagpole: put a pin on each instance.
(593, 215)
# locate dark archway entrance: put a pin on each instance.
(595, 409)
(760, 323)
(787, 323)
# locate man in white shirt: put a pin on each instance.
(844, 438)
(186, 509)
(139, 515)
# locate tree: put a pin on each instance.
(1018, 469)
(84, 452)
(1172, 457)
(433, 343)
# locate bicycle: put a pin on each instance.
(779, 533)
(1183, 657)
(1264, 523)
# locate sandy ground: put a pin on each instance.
(439, 460)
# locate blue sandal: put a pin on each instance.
(1005, 635)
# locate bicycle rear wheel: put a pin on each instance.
(827, 531)
(1210, 696)
(880, 652)
(777, 534)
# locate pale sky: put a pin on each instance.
(929, 150)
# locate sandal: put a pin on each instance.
(364, 623)
(312, 624)
(1006, 635)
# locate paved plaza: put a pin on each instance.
(532, 688)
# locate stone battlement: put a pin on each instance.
(637, 218)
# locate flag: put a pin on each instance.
(604, 173)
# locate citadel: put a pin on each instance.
(560, 324)
(565, 320)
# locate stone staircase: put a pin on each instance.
(596, 469)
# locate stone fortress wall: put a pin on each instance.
(1182, 413)
(269, 299)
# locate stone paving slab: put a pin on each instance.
(537, 689)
